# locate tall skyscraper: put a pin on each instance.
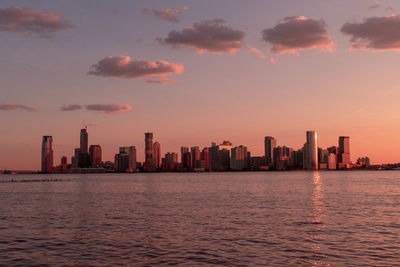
(344, 150)
(95, 155)
(269, 145)
(84, 141)
(184, 150)
(157, 154)
(312, 150)
(219, 156)
(149, 158)
(196, 156)
(47, 154)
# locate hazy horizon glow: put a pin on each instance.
(196, 72)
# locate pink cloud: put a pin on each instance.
(30, 21)
(272, 60)
(170, 15)
(8, 107)
(378, 33)
(125, 67)
(109, 108)
(294, 34)
(207, 36)
(257, 52)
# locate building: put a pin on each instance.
(47, 154)
(239, 160)
(170, 161)
(64, 160)
(157, 155)
(219, 156)
(95, 155)
(131, 152)
(187, 161)
(149, 157)
(196, 157)
(332, 161)
(205, 158)
(344, 150)
(311, 150)
(269, 145)
(184, 150)
(121, 162)
(84, 141)
(281, 157)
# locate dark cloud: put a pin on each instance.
(9, 107)
(170, 15)
(109, 108)
(124, 67)
(70, 107)
(30, 21)
(207, 36)
(293, 34)
(380, 33)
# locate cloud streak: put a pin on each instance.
(294, 34)
(257, 52)
(10, 107)
(109, 108)
(170, 15)
(127, 68)
(70, 107)
(207, 36)
(30, 21)
(376, 33)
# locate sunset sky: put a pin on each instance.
(196, 72)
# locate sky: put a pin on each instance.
(196, 72)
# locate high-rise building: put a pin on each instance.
(84, 141)
(205, 158)
(149, 157)
(196, 157)
(239, 160)
(131, 152)
(95, 155)
(312, 150)
(170, 161)
(219, 156)
(344, 150)
(157, 154)
(184, 150)
(47, 154)
(269, 145)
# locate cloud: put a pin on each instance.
(293, 34)
(9, 107)
(379, 33)
(272, 60)
(257, 52)
(70, 107)
(109, 108)
(124, 67)
(207, 36)
(375, 5)
(170, 15)
(30, 21)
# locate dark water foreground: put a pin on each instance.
(285, 218)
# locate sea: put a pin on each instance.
(299, 218)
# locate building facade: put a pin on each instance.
(47, 154)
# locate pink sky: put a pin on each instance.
(196, 72)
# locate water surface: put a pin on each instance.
(265, 218)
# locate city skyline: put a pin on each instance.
(55, 80)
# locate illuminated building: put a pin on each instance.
(47, 154)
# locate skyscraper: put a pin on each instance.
(157, 154)
(95, 155)
(47, 154)
(239, 160)
(312, 150)
(84, 141)
(184, 150)
(269, 144)
(344, 150)
(149, 158)
(196, 156)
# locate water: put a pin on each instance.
(282, 218)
